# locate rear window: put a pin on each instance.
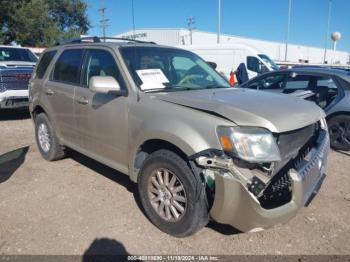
(44, 63)
(17, 54)
(343, 83)
(67, 68)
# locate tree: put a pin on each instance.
(41, 22)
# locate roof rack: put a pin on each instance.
(96, 39)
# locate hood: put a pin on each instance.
(275, 112)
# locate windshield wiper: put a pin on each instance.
(168, 89)
(215, 87)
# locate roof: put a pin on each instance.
(320, 70)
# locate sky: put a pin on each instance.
(262, 19)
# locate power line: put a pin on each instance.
(327, 31)
(190, 22)
(288, 29)
(133, 18)
(103, 21)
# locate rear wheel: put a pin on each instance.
(339, 132)
(46, 139)
(173, 197)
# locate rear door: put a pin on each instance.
(102, 118)
(59, 92)
(320, 88)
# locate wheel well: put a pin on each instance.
(37, 110)
(153, 145)
(337, 114)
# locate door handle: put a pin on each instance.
(49, 92)
(82, 100)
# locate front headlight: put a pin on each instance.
(248, 143)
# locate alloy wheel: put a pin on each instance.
(167, 195)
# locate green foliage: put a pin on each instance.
(41, 22)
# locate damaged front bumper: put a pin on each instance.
(236, 205)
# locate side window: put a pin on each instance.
(274, 82)
(343, 83)
(44, 63)
(255, 65)
(100, 63)
(299, 82)
(67, 67)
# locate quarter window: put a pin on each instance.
(44, 63)
(67, 68)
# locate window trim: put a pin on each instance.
(83, 65)
(80, 66)
(47, 70)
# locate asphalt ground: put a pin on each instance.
(77, 206)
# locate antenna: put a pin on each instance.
(104, 20)
(190, 22)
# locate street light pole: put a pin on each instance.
(219, 21)
(288, 29)
(327, 32)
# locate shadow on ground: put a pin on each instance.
(124, 180)
(107, 172)
(14, 114)
(11, 161)
(104, 250)
(345, 153)
(223, 229)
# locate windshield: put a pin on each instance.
(16, 54)
(159, 69)
(269, 62)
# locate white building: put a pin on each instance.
(275, 50)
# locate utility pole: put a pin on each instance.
(288, 29)
(219, 21)
(103, 21)
(190, 22)
(327, 31)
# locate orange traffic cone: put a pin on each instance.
(232, 78)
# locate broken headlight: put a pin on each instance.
(256, 145)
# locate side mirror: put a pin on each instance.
(212, 64)
(105, 85)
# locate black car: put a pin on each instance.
(328, 88)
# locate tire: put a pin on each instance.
(46, 139)
(195, 213)
(339, 132)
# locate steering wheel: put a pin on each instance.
(189, 79)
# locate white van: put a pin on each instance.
(229, 57)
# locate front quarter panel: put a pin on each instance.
(190, 130)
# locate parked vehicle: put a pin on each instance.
(328, 88)
(196, 147)
(16, 67)
(229, 57)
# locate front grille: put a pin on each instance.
(279, 191)
(14, 79)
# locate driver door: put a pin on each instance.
(102, 118)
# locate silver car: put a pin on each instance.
(197, 148)
(328, 88)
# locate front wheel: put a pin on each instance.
(172, 196)
(339, 132)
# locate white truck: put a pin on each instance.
(16, 67)
(229, 57)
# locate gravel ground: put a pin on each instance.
(77, 205)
